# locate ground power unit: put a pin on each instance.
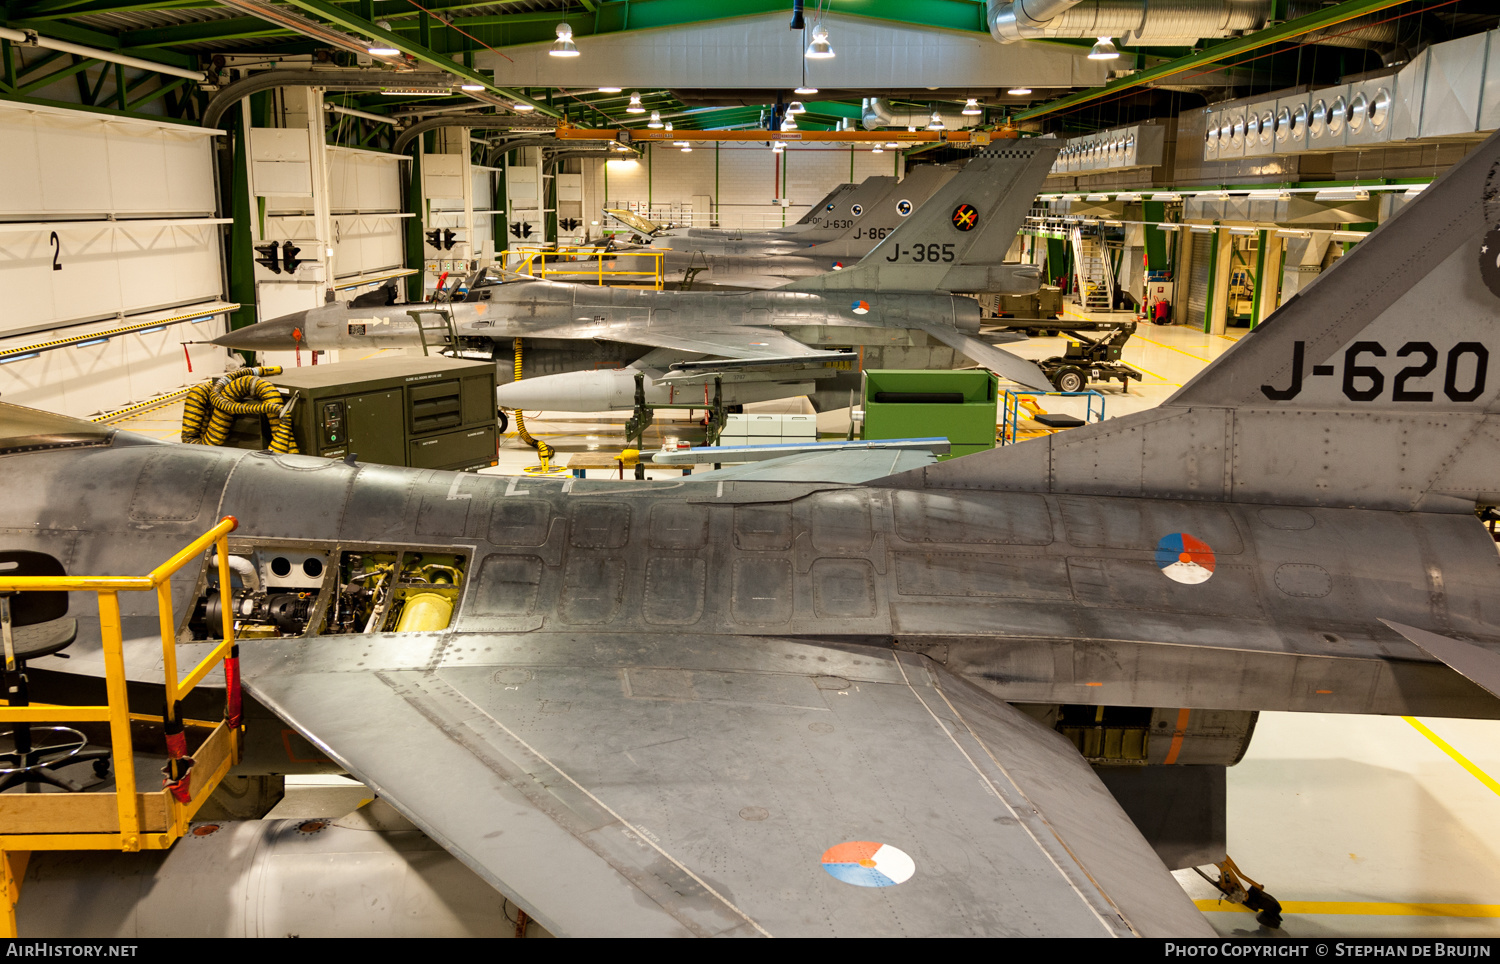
(424, 411)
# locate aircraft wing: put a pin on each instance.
(850, 467)
(753, 282)
(689, 785)
(737, 342)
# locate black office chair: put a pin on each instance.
(33, 624)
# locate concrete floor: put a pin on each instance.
(1360, 826)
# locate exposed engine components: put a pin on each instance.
(283, 591)
(210, 408)
(1138, 735)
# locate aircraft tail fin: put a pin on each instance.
(1378, 386)
(958, 239)
(821, 209)
(835, 217)
(876, 220)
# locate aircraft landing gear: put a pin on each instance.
(1240, 889)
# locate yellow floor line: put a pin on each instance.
(1154, 375)
(1458, 757)
(1360, 907)
(1177, 350)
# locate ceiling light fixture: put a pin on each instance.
(804, 90)
(378, 49)
(669, 125)
(877, 149)
(795, 107)
(522, 106)
(1103, 50)
(471, 87)
(655, 121)
(1019, 91)
(609, 90)
(936, 123)
(972, 108)
(789, 123)
(564, 46)
(820, 48)
(635, 105)
(777, 147)
(1342, 194)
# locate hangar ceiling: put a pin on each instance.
(725, 65)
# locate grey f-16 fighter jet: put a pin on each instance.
(991, 696)
(853, 226)
(771, 344)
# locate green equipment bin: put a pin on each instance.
(958, 405)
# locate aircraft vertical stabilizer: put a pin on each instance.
(957, 241)
(878, 219)
(1372, 388)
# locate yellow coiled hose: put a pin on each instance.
(543, 450)
(209, 410)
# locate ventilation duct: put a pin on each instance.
(876, 113)
(1133, 22)
(1139, 145)
(1169, 23)
(1442, 93)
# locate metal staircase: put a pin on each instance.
(1093, 274)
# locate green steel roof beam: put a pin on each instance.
(1326, 17)
(63, 9)
(239, 28)
(48, 80)
(365, 28)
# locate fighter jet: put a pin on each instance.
(951, 700)
(825, 221)
(857, 222)
(816, 223)
(772, 344)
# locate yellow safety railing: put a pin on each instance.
(574, 262)
(123, 819)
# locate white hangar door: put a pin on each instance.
(106, 223)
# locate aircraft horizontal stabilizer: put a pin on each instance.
(1479, 665)
(997, 360)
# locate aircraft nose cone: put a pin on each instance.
(278, 334)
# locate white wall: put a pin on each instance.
(104, 222)
(748, 178)
(364, 195)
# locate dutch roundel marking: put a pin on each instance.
(860, 307)
(965, 218)
(829, 208)
(1489, 260)
(903, 207)
(838, 265)
(857, 210)
(1185, 559)
(865, 863)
